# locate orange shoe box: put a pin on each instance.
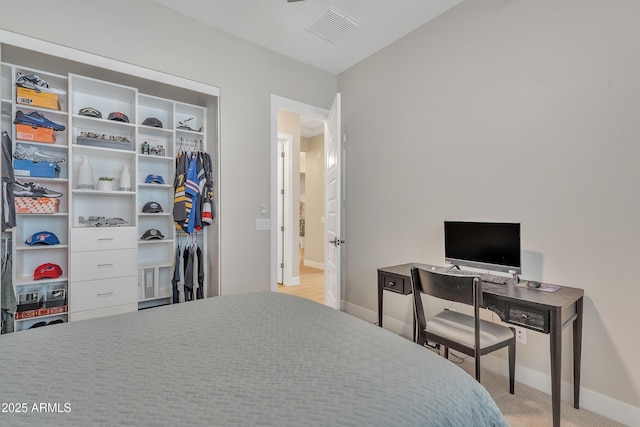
(42, 99)
(36, 205)
(35, 134)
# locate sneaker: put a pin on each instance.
(32, 81)
(36, 119)
(35, 155)
(30, 189)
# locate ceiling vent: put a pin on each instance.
(333, 25)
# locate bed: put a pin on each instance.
(263, 359)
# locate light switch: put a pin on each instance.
(263, 209)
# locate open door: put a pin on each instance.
(333, 147)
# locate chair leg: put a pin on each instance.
(512, 366)
(446, 352)
(478, 366)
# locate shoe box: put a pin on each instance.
(37, 205)
(35, 134)
(39, 169)
(33, 98)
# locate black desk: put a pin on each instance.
(546, 312)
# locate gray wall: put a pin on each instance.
(143, 33)
(541, 101)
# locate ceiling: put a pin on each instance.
(282, 26)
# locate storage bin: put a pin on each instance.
(105, 143)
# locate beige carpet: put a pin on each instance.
(529, 407)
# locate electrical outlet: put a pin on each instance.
(263, 224)
(521, 335)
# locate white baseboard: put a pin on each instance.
(313, 264)
(590, 400)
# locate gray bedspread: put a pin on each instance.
(262, 359)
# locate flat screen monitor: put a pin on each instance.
(493, 246)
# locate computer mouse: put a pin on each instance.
(532, 284)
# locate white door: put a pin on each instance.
(333, 147)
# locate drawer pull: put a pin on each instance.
(105, 239)
(105, 265)
(105, 294)
(391, 284)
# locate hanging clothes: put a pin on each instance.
(200, 290)
(8, 179)
(208, 208)
(192, 210)
(8, 296)
(192, 193)
(176, 285)
(188, 274)
(179, 199)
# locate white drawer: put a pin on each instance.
(101, 312)
(94, 265)
(94, 294)
(103, 238)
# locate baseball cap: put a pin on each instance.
(119, 117)
(90, 112)
(152, 207)
(152, 121)
(152, 234)
(47, 271)
(153, 178)
(42, 237)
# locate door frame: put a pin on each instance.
(278, 102)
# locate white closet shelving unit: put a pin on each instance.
(102, 259)
(109, 270)
(26, 258)
(155, 262)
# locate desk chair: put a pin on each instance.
(467, 334)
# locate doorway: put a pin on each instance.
(300, 206)
(305, 125)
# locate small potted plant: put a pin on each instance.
(105, 183)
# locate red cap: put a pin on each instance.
(48, 270)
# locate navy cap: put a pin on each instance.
(152, 207)
(152, 234)
(42, 238)
(153, 178)
(152, 121)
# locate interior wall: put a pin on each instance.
(149, 35)
(513, 111)
(314, 209)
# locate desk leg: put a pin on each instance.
(577, 353)
(380, 291)
(555, 339)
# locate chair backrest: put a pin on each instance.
(462, 289)
(449, 287)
